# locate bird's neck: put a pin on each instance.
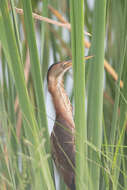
(61, 102)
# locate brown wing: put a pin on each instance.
(63, 149)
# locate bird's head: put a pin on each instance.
(58, 69)
(56, 72)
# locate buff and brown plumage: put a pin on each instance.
(62, 137)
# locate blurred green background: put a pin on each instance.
(27, 47)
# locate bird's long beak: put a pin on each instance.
(68, 64)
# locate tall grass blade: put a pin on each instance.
(77, 37)
(95, 90)
(35, 67)
(36, 73)
(123, 106)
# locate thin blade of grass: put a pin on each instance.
(95, 89)
(77, 37)
(123, 104)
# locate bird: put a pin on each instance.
(63, 135)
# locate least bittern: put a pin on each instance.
(62, 137)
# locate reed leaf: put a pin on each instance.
(77, 37)
(95, 90)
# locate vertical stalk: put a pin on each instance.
(123, 107)
(36, 73)
(95, 91)
(77, 37)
